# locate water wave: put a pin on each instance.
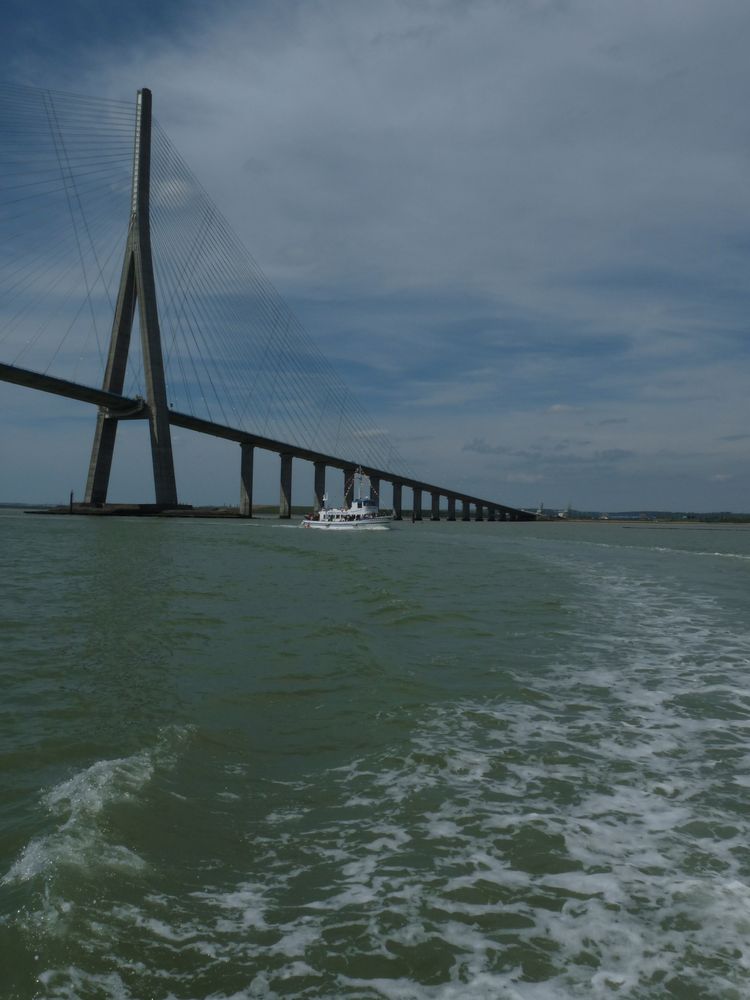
(77, 808)
(576, 828)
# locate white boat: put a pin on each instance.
(363, 515)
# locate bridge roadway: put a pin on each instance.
(128, 408)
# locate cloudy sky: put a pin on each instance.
(520, 229)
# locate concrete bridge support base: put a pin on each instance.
(319, 489)
(285, 493)
(349, 474)
(375, 490)
(451, 508)
(397, 501)
(416, 513)
(246, 479)
(435, 514)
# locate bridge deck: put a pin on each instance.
(126, 407)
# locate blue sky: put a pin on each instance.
(520, 230)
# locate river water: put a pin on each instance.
(242, 760)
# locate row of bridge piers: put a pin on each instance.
(483, 510)
(115, 407)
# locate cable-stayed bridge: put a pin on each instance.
(104, 228)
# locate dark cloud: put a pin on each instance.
(552, 454)
(481, 447)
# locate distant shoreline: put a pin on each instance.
(677, 520)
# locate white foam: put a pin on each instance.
(77, 805)
(78, 802)
(295, 939)
(574, 820)
(73, 983)
(247, 904)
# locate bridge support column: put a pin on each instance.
(102, 452)
(246, 479)
(397, 501)
(451, 508)
(137, 287)
(416, 513)
(479, 516)
(490, 513)
(466, 516)
(349, 473)
(285, 494)
(435, 516)
(319, 490)
(375, 490)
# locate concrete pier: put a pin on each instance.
(319, 488)
(285, 493)
(479, 516)
(490, 513)
(466, 516)
(375, 490)
(451, 508)
(435, 515)
(416, 513)
(349, 473)
(397, 501)
(246, 479)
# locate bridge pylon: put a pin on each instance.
(137, 286)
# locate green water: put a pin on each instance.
(484, 760)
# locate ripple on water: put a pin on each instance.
(583, 834)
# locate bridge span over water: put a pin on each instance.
(63, 150)
(115, 407)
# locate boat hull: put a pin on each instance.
(382, 524)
